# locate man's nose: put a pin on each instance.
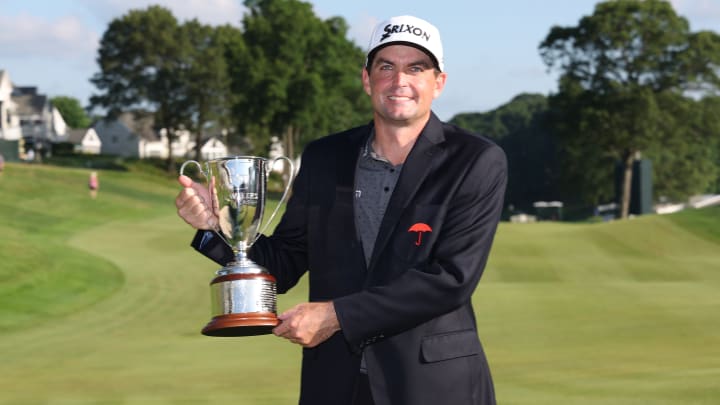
(400, 78)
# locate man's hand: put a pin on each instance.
(194, 205)
(308, 324)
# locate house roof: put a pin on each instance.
(76, 135)
(140, 124)
(25, 91)
(207, 139)
(27, 102)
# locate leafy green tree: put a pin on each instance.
(520, 128)
(301, 76)
(143, 60)
(71, 111)
(207, 80)
(687, 159)
(237, 60)
(615, 64)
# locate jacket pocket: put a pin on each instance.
(450, 346)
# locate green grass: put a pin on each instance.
(40, 207)
(101, 301)
(616, 313)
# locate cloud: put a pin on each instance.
(25, 35)
(213, 12)
(705, 12)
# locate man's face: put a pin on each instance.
(402, 83)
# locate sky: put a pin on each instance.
(490, 46)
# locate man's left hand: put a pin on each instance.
(308, 324)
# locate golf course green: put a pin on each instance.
(102, 301)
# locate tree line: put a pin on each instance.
(634, 81)
(283, 72)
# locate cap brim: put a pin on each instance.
(371, 54)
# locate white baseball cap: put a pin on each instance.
(407, 30)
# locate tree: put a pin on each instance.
(301, 76)
(520, 128)
(71, 111)
(143, 67)
(207, 81)
(615, 64)
(687, 160)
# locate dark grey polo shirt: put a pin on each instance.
(375, 179)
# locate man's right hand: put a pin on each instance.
(194, 206)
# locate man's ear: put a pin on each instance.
(366, 81)
(440, 80)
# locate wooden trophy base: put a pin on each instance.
(248, 324)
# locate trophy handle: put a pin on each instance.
(196, 163)
(285, 193)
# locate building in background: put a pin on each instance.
(11, 143)
(29, 119)
(30, 127)
(133, 135)
(85, 141)
(213, 148)
(39, 119)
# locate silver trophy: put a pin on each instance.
(243, 293)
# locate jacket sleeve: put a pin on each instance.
(448, 279)
(212, 246)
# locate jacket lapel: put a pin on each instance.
(346, 162)
(415, 169)
(346, 165)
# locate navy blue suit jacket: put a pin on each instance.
(409, 310)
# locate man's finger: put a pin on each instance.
(185, 181)
(184, 196)
(280, 330)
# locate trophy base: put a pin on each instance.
(248, 324)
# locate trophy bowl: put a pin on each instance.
(243, 293)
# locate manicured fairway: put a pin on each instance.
(101, 301)
(621, 313)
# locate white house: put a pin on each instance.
(9, 120)
(132, 135)
(39, 119)
(28, 119)
(85, 141)
(213, 148)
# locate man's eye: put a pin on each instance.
(385, 67)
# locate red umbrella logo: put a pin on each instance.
(420, 228)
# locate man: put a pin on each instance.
(393, 222)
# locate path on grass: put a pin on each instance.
(143, 342)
